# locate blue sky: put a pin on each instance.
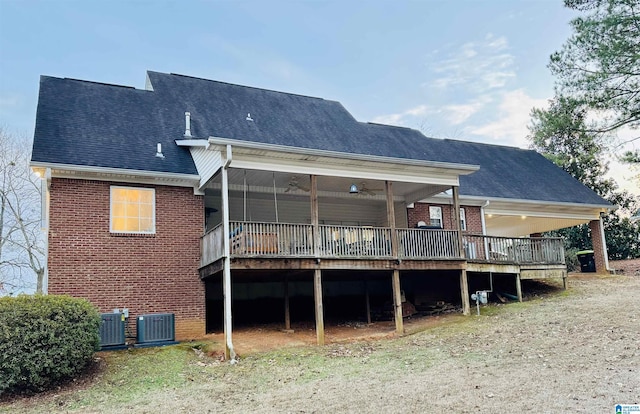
(468, 70)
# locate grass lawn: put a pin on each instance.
(577, 349)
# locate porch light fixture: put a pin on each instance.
(353, 189)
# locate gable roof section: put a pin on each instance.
(93, 124)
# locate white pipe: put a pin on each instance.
(484, 229)
(244, 197)
(226, 271)
(275, 197)
(484, 224)
(46, 186)
(187, 124)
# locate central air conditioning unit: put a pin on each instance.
(112, 331)
(156, 329)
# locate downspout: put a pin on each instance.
(226, 271)
(484, 229)
(45, 198)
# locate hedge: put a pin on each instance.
(45, 340)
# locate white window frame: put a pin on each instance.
(153, 209)
(463, 219)
(435, 213)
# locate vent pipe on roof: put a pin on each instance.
(187, 124)
(159, 153)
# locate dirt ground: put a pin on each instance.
(577, 352)
(249, 340)
(626, 267)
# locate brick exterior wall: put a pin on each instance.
(598, 247)
(146, 273)
(420, 212)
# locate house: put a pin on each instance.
(192, 195)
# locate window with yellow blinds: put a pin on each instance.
(133, 210)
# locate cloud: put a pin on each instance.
(478, 66)
(401, 118)
(456, 114)
(513, 116)
(10, 101)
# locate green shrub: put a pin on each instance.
(571, 259)
(44, 340)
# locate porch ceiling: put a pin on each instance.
(515, 218)
(516, 226)
(298, 185)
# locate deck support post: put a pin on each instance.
(287, 314)
(518, 287)
(564, 280)
(317, 295)
(397, 302)
(229, 353)
(315, 221)
(464, 293)
(457, 225)
(391, 218)
(455, 219)
(367, 303)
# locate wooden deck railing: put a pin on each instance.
(211, 246)
(428, 244)
(251, 239)
(271, 239)
(354, 242)
(520, 250)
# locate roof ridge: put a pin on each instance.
(486, 144)
(98, 83)
(390, 126)
(242, 86)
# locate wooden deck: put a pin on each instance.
(296, 246)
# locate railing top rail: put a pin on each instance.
(211, 230)
(432, 230)
(510, 238)
(269, 223)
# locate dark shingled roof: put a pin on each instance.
(95, 124)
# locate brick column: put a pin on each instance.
(599, 246)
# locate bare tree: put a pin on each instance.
(21, 238)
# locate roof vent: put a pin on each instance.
(187, 124)
(159, 153)
(249, 117)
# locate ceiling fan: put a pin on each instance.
(294, 184)
(363, 189)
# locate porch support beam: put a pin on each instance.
(455, 218)
(314, 214)
(287, 314)
(599, 245)
(518, 287)
(367, 303)
(464, 292)
(397, 302)
(317, 295)
(317, 273)
(391, 218)
(229, 353)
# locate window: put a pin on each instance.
(435, 216)
(133, 210)
(463, 220)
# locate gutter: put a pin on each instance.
(467, 168)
